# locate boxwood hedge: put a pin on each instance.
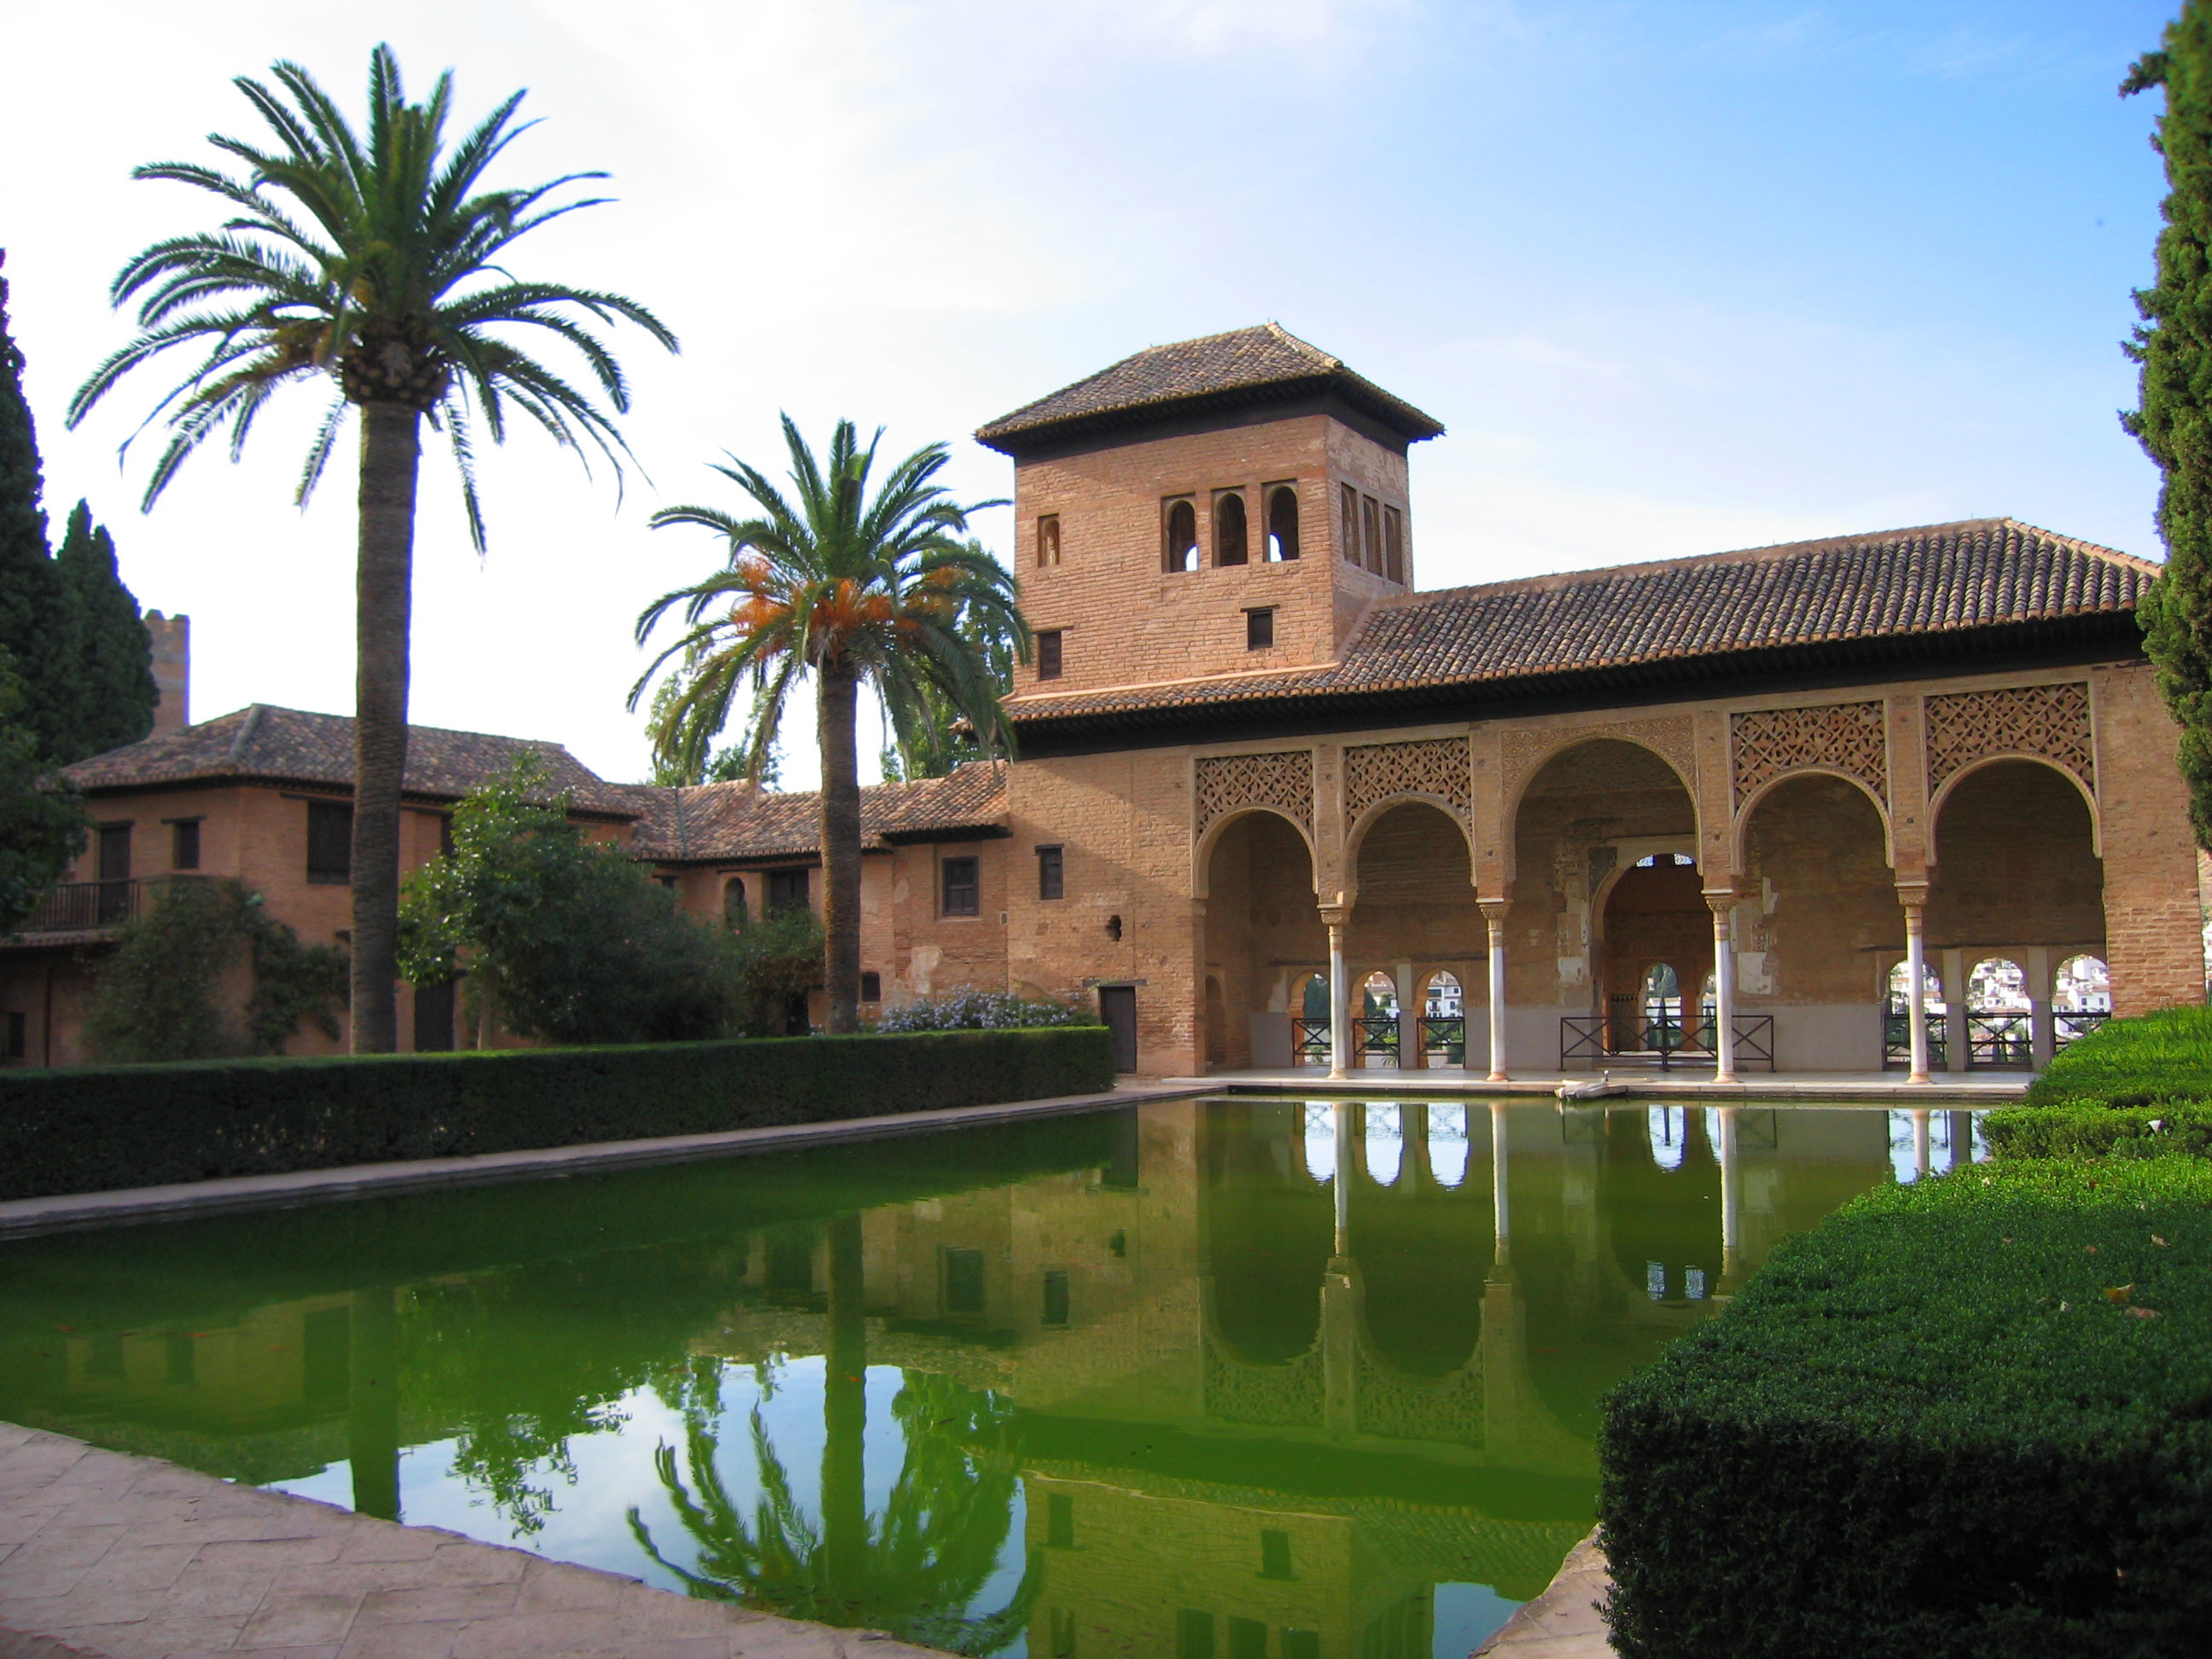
(91, 1128)
(1971, 1416)
(2149, 1059)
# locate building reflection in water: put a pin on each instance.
(1247, 1379)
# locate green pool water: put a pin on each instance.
(1230, 1379)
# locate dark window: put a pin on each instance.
(1051, 881)
(12, 1039)
(1348, 533)
(871, 986)
(963, 887)
(115, 852)
(786, 891)
(185, 844)
(1394, 544)
(1055, 1298)
(733, 902)
(1247, 1638)
(1059, 1520)
(1371, 534)
(1282, 523)
(1231, 546)
(1274, 1555)
(433, 1019)
(1180, 550)
(446, 834)
(1193, 1635)
(330, 842)
(1301, 1644)
(964, 1281)
(1048, 539)
(668, 882)
(1048, 658)
(1260, 628)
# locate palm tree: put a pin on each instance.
(371, 260)
(850, 589)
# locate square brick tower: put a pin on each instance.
(1230, 505)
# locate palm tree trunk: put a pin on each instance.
(383, 606)
(836, 697)
(844, 1425)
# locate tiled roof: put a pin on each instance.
(717, 821)
(290, 746)
(1928, 583)
(1247, 366)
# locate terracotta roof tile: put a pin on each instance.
(1246, 365)
(265, 744)
(717, 821)
(1931, 581)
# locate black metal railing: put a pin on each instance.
(82, 907)
(2065, 1027)
(1897, 1039)
(1999, 1042)
(1445, 1034)
(1378, 1035)
(1588, 1039)
(1310, 1042)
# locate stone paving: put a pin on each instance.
(1563, 1622)
(129, 1558)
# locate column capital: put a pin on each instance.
(1494, 910)
(1913, 895)
(1721, 900)
(1335, 916)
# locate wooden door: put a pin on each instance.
(1117, 1006)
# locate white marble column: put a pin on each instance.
(1339, 1014)
(1724, 909)
(1731, 1197)
(1501, 1212)
(1494, 914)
(1341, 1114)
(1915, 973)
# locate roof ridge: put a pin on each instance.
(246, 728)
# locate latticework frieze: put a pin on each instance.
(1265, 1396)
(1837, 736)
(1281, 778)
(1429, 766)
(1399, 1409)
(2052, 721)
(1670, 736)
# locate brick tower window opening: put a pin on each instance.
(733, 902)
(1231, 544)
(1048, 653)
(1393, 545)
(1282, 523)
(1048, 542)
(183, 843)
(963, 887)
(1348, 538)
(1260, 628)
(871, 986)
(1371, 534)
(1052, 872)
(1180, 522)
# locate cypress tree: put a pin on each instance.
(113, 682)
(33, 611)
(2174, 343)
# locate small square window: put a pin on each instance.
(964, 1281)
(1260, 628)
(185, 844)
(1274, 1555)
(1055, 1298)
(1047, 540)
(872, 987)
(963, 894)
(786, 891)
(1051, 873)
(1047, 655)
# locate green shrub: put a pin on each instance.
(2072, 1129)
(2140, 1061)
(1971, 1416)
(971, 1010)
(89, 1129)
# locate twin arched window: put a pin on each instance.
(1181, 552)
(1229, 542)
(1232, 531)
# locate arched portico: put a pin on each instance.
(1411, 914)
(1263, 938)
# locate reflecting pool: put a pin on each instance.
(1238, 1379)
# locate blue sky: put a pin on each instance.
(1677, 276)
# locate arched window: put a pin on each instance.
(2084, 986)
(1386, 1145)
(1282, 525)
(1997, 987)
(1669, 1127)
(1663, 1003)
(1229, 542)
(733, 902)
(1379, 1019)
(1448, 1144)
(1900, 983)
(1181, 549)
(1444, 1021)
(1321, 1140)
(1048, 540)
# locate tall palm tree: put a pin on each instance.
(851, 589)
(371, 260)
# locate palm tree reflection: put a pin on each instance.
(915, 1569)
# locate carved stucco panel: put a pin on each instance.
(1439, 767)
(1764, 743)
(1280, 778)
(2052, 721)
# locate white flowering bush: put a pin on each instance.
(971, 1010)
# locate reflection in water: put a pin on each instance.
(1240, 1377)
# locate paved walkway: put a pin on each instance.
(129, 1558)
(1563, 1622)
(78, 1210)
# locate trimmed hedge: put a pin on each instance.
(1931, 1428)
(2145, 1061)
(91, 1129)
(2075, 1129)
